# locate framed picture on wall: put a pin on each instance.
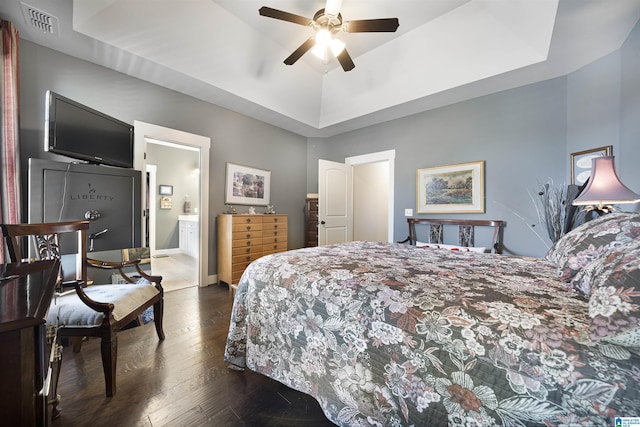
(456, 188)
(165, 190)
(581, 163)
(247, 186)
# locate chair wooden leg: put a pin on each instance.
(109, 349)
(158, 310)
(76, 343)
(54, 397)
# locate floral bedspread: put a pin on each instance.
(393, 335)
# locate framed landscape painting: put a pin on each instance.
(456, 188)
(247, 186)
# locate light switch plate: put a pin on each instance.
(408, 212)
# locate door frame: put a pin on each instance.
(144, 131)
(151, 172)
(388, 156)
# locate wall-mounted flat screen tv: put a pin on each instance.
(77, 131)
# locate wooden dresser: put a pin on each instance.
(243, 238)
(311, 222)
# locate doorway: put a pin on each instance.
(356, 198)
(146, 136)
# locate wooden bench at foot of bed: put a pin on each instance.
(466, 231)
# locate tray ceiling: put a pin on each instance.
(223, 52)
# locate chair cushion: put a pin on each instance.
(70, 311)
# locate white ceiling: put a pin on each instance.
(223, 52)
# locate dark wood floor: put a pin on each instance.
(182, 381)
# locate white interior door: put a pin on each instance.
(335, 213)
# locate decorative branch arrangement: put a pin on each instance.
(555, 210)
(551, 209)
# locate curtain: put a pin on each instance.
(9, 154)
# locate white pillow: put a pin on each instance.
(451, 247)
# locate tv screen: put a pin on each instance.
(80, 132)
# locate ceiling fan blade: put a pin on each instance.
(385, 25)
(346, 61)
(297, 54)
(284, 16)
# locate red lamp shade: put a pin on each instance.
(604, 187)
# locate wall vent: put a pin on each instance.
(39, 19)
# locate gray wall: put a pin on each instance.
(520, 134)
(628, 154)
(234, 137)
(525, 135)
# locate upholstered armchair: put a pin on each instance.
(97, 310)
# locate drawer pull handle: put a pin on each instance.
(248, 250)
(248, 220)
(248, 235)
(248, 228)
(248, 257)
(249, 243)
(275, 240)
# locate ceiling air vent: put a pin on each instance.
(43, 21)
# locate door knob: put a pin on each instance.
(322, 222)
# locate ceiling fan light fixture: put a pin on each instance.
(320, 52)
(337, 46)
(328, 22)
(323, 41)
(323, 38)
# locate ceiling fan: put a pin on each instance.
(327, 23)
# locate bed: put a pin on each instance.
(392, 334)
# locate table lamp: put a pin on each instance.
(604, 188)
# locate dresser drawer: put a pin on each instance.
(247, 235)
(281, 230)
(267, 241)
(246, 250)
(246, 258)
(242, 227)
(247, 219)
(246, 243)
(236, 275)
(274, 219)
(274, 247)
(237, 272)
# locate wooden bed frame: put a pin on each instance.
(466, 231)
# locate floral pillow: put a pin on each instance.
(614, 304)
(593, 239)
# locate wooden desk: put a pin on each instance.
(26, 290)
